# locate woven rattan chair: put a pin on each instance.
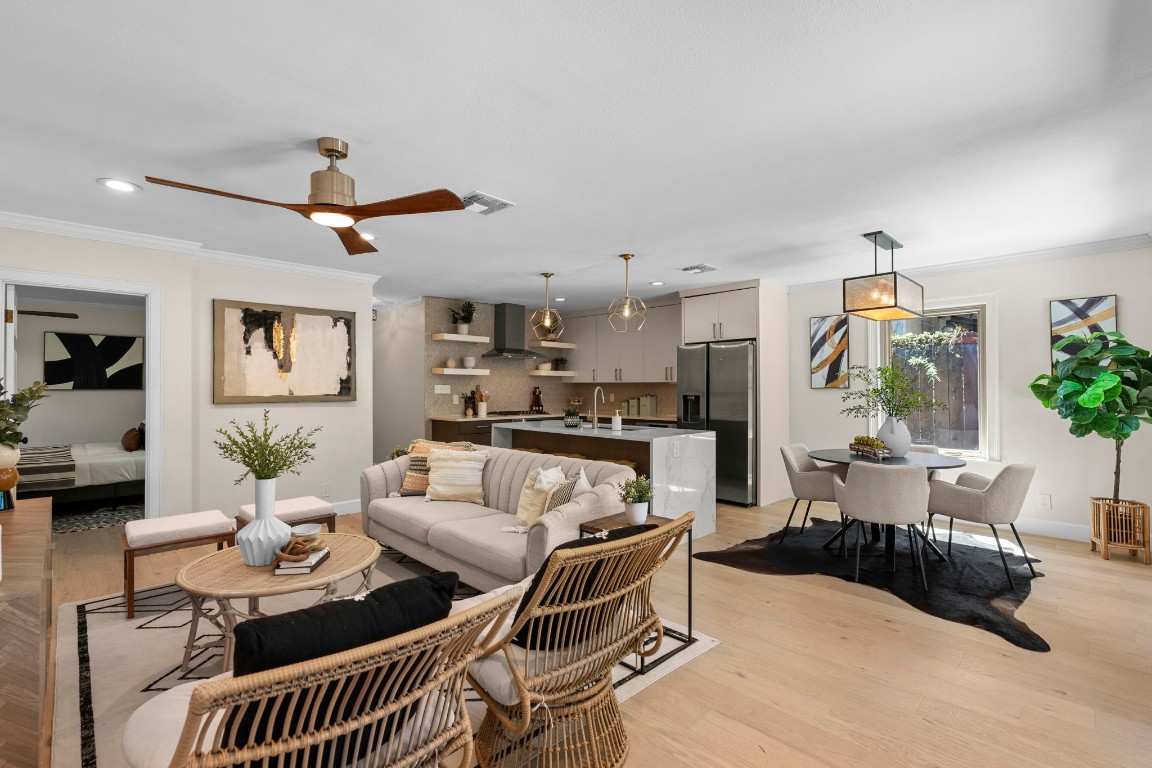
(554, 705)
(397, 702)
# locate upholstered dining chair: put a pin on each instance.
(985, 501)
(810, 482)
(892, 495)
(547, 680)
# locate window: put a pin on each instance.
(944, 350)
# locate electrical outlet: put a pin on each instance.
(325, 490)
(611, 397)
(455, 399)
(1046, 500)
(443, 389)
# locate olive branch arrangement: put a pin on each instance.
(262, 456)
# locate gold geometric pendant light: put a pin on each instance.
(883, 295)
(627, 313)
(547, 324)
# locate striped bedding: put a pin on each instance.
(56, 467)
(48, 468)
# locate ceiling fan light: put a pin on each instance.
(329, 219)
(368, 236)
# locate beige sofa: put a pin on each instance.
(469, 538)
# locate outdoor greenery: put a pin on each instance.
(261, 454)
(890, 389)
(466, 313)
(922, 350)
(636, 491)
(14, 411)
(1104, 389)
(398, 451)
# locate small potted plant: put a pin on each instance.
(891, 390)
(463, 317)
(14, 412)
(265, 457)
(559, 363)
(571, 416)
(636, 495)
(469, 403)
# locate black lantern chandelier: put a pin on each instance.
(883, 295)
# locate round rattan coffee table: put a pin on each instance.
(222, 577)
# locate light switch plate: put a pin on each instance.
(443, 389)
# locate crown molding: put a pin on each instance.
(195, 250)
(1130, 243)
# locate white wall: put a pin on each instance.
(398, 342)
(194, 476)
(774, 404)
(80, 416)
(1017, 349)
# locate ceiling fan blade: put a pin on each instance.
(37, 313)
(353, 242)
(206, 190)
(422, 202)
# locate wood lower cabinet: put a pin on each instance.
(477, 432)
(25, 625)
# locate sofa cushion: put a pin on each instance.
(456, 476)
(416, 478)
(412, 517)
(153, 730)
(481, 542)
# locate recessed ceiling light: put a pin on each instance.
(656, 282)
(118, 185)
(367, 235)
(331, 219)
(559, 298)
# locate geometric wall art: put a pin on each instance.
(1080, 317)
(270, 353)
(93, 361)
(828, 351)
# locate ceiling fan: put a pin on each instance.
(333, 199)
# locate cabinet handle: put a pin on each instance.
(714, 331)
(721, 330)
(593, 374)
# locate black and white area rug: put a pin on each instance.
(65, 522)
(107, 666)
(970, 588)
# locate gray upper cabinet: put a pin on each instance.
(603, 356)
(581, 331)
(661, 337)
(723, 315)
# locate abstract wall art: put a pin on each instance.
(91, 361)
(268, 353)
(1080, 317)
(828, 351)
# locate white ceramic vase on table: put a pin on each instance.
(637, 512)
(266, 535)
(9, 455)
(894, 432)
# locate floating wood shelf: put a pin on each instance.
(460, 371)
(552, 345)
(560, 374)
(460, 337)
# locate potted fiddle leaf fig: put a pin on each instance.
(1103, 389)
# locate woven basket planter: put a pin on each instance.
(1123, 525)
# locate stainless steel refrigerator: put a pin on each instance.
(716, 388)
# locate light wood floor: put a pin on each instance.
(818, 671)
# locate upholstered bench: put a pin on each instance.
(162, 534)
(304, 509)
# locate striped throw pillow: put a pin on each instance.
(561, 494)
(416, 478)
(455, 475)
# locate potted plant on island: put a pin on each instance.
(636, 495)
(571, 416)
(463, 317)
(890, 390)
(266, 458)
(1106, 389)
(14, 411)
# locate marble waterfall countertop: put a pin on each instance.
(629, 432)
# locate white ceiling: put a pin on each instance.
(760, 137)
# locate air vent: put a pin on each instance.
(484, 204)
(696, 269)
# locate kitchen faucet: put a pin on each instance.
(595, 416)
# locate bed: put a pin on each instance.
(80, 472)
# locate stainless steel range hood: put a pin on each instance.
(508, 334)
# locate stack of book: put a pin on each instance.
(306, 565)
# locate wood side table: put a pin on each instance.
(611, 523)
(223, 577)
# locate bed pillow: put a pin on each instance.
(140, 429)
(455, 475)
(416, 478)
(132, 440)
(534, 493)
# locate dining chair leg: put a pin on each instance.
(1003, 559)
(784, 534)
(1022, 550)
(951, 520)
(804, 522)
(918, 560)
(859, 535)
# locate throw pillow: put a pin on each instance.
(560, 494)
(550, 635)
(416, 478)
(456, 476)
(534, 493)
(582, 484)
(327, 628)
(131, 440)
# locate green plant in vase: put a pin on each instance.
(571, 416)
(890, 390)
(463, 317)
(14, 410)
(636, 495)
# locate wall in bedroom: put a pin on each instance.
(195, 477)
(1070, 469)
(81, 416)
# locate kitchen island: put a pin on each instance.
(680, 462)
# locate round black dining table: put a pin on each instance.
(930, 461)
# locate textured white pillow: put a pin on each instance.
(456, 476)
(582, 484)
(534, 494)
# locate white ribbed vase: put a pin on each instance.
(266, 535)
(894, 432)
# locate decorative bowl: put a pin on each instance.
(306, 529)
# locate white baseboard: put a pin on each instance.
(1072, 531)
(350, 507)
